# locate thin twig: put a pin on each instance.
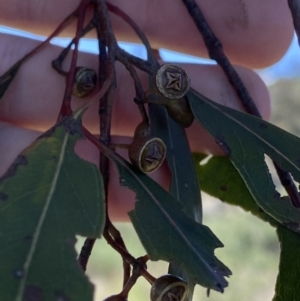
(124, 60)
(85, 252)
(128, 257)
(107, 63)
(57, 63)
(66, 104)
(136, 273)
(104, 27)
(88, 245)
(139, 63)
(107, 71)
(116, 235)
(215, 51)
(139, 91)
(287, 182)
(104, 112)
(65, 23)
(116, 10)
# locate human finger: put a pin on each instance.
(34, 98)
(254, 33)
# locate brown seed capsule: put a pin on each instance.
(169, 288)
(142, 130)
(147, 153)
(172, 81)
(169, 88)
(85, 82)
(180, 111)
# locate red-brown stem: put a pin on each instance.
(107, 70)
(287, 182)
(57, 63)
(65, 23)
(86, 249)
(115, 233)
(136, 273)
(66, 104)
(128, 257)
(116, 10)
(86, 252)
(6, 76)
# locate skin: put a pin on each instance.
(32, 102)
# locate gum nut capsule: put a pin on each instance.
(85, 82)
(147, 153)
(172, 81)
(169, 288)
(142, 130)
(180, 111)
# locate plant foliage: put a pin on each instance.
(49, 195)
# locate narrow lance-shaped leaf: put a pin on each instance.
(167, 233)
(245, 139)
(48, 196)
(184, 183)
(220, 179)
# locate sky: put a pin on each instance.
(288, 67)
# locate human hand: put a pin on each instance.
(254, 34)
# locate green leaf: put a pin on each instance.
(220, 179)
(228, 186)
(8, 76)
(288, 281)
(245, 139)
(184, 183)
(48, 196)
(167, 233)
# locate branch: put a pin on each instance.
(215, 51)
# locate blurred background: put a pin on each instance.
(251, 246)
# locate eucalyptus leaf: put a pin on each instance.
(167, 233)
(288, 281)
(245, 139)
(184, 183)
(48, 196)
(220, 179)
(7, 78)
